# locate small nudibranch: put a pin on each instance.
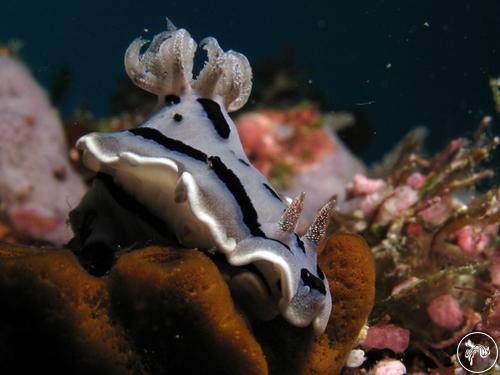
(187, 166)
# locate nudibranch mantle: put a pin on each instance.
(187, 166)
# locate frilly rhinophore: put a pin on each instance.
(165, 68)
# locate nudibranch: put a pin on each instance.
(187, 166)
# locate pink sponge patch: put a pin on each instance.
(388, 367)
(387, 336)
(445, 311)
(35, 222)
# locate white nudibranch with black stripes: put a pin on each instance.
(187, 166)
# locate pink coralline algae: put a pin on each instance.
(296, 148)
(362, 185)
(373, 197)
(388, 367)
(280, 142)
(405, 284)
(474, 239)
(365, 195)
(445, 311)
(416, 180)
(38, 186)
(401, 199)
(387, 336)
(438, 211)
(261, 140)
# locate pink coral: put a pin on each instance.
(455, 144)
(257, 134)
(437, 212)
(402, 198)
(291, 137)
(38, 186)
(296, 148)
(388, 367)
(370, 203)
(445, 311)
(472, 239)
(362, 185)
(388, 336)
(416, 180)
(258, 137)
(405, 284)
(36, 221)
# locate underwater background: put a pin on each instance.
(380, 117)
(398, 65)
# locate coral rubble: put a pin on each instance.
(434, 237)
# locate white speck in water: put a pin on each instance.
(310, 81)
(366, 103)
(146, 30)
(389, 66)
(426, 24)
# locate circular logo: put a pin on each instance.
(477, 352)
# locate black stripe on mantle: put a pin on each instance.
(234, 185)
(226, 175)
(215, 115)
(169, 143)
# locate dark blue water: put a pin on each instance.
(418, 62)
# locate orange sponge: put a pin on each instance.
(54, 316)
(163, 310)
(178, 309)
(347, 263)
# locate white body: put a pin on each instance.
(187, 166)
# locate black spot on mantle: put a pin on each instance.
(172, 99)
(215, 115)
(312, 281)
